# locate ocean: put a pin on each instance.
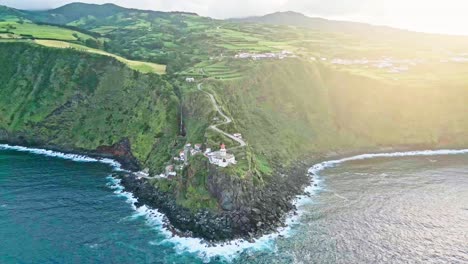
(57, 208)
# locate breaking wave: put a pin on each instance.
(74, 157)
(228, 250)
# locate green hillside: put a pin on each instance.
(80, 78)
(76, 100)
(26, 29)
(75, 11)
(289, 109)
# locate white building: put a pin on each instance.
(190, 79)
(170, 172)
(207, 151)
(182, 155)
(221, 158)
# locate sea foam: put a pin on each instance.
(230, 249)
(195, 246)
(74, 157)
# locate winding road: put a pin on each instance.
(227, 119)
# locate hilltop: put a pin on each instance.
(296, 19)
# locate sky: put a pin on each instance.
(434, 16)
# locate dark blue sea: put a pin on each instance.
(380, 210)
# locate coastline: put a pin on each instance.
(120, 152)
(264, 215)
(185, 240)
(76, 156)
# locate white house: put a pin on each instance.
(207, 151)
(170, 171)
(221, 158)
(190, 79)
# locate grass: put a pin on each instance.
(289, 108)
(284, 109)
(42, 31)
(144, 67)
(82, 101)
(105, 29)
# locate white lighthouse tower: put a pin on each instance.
(221, 158)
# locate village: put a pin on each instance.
(257, 56)
(262, 56)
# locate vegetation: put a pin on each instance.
(80, 77)
(141, 66)
(295, 107)
(42, 31)
(83, 101)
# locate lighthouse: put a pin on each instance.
(221, 158)
(222, 150)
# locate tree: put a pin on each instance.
(92, 43)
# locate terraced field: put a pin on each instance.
(221, 70)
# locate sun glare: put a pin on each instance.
(427, 15)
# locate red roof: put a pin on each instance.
(223, 146)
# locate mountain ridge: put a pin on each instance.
(294, 18)
(63, 15)
(68, 13)
(77, 10)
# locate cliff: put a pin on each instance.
(288, 111)
(75, 101)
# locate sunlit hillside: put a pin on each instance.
(294, 92)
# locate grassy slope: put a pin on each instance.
(42, 31)
(141, 66)
(290, 108)
(83, 101)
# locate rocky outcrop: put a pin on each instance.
(205, 224)
(257, 209)
(122, 152)
(247, 211)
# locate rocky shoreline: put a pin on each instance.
(120, 152)
(246, 211)
(263, 214)
(257, 211)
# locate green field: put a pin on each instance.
(57, 37)
(144, 67)
(42, 31)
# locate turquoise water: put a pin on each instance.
(385, 210)
(60, 211)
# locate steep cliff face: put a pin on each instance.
(290, 108)
(73, 101)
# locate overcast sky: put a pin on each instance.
(446, 16)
